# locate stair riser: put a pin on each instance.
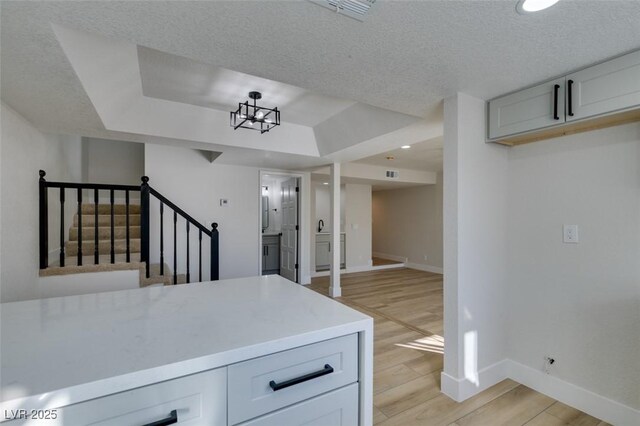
(106, 208)
(104, 233)
(104, 247)
(105, 220)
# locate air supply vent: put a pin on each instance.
(356, 9)
(393, 174)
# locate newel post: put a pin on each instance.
(215, 252)
(144, 223)
(44, 221)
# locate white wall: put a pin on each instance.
(190, 181)
(407, 223)
(25, 150)
(475, 192)
(357, 225)
(323, 207)
(196, 185)
(109, 161)
(579, 303)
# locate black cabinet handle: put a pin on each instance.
(277, 386)
(172, 419)
(570, 98)
(556, 87)
(267, 247)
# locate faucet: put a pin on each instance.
(320, 225)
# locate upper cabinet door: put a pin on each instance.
(608, 87)
(529, 109)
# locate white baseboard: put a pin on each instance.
(390, 257)
(591, 403)
(427, 268)
(461, 389)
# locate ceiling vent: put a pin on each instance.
(356, 9)
(393, 174)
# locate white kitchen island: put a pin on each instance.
(259, 351)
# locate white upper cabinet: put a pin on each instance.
(608, 87)
(530, 109)
(603, 95)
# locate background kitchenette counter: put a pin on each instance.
(65, 350)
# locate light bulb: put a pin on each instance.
(259, 115)
(528, 6)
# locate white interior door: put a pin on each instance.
(289, 242)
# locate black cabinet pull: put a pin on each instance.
(173, 418)
(556, 87)
(277, 386)
(570, 98)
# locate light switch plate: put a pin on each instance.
(570, 234)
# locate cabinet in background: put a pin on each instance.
(270, 254)
(324, 253)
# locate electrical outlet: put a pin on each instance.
(549, 362)
(570, 234)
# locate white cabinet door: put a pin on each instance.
(198, 399)
(608, 87)
(323, 256)
(337, 408)
(529, 109)
(271, 382)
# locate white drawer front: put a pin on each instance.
(250, 392)
(199, 399)
(337, 408)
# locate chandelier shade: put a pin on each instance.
(253, 116)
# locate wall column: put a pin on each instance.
(334, 276)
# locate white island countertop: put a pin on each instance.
(65, 350)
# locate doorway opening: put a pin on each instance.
(280, 225)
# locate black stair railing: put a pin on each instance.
(146, 192)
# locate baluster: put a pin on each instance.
(128, 235)
(175, 249)
(96, 232)
(62, 226)
(113, 251)
(200, 255)
(215, 255)
(188, 274)
(161, 238)
(144, 223)
(79, 227)
(44, 221)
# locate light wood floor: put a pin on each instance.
(407, 309)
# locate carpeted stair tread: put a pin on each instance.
(104, 246)
(106, 209)
(73, 268)
(105, 220)
(104, 233)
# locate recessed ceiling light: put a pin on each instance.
(325, 183)
(529, 6)
(405, 146)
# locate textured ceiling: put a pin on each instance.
(405, 57)
(425, 155)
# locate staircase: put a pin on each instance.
(119, 230)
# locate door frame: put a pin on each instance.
(304, 221)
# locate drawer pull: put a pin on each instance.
(173, 418)
(277, 386)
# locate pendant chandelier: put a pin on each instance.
(254, 117)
